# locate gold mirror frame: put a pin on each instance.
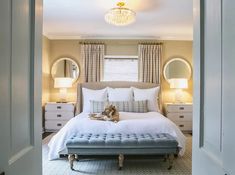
(69, 59)
(177, 59)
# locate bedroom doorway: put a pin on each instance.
(19, 160)
(120, 51)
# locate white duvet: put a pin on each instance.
(151, 122)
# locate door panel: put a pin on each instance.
(207, 125)
(212, 77)
(20, 126)
(20, 72)
(214, 94)
(228, 85)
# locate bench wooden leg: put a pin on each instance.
(71, 158)
(120, 161)
(165, 157)
(76, 157)
(171, 161)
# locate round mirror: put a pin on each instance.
(65, 67)
(177, 68)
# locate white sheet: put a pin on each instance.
(151, 122)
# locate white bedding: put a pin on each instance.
(151, 122)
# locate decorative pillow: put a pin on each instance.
(89, 94)
(150, 94)
(120, 94)
(121, 106)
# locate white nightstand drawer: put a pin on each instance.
(54, 125)
(184, 126)
(59, 107)
(179, 108)
(184, 116)
(58, 115)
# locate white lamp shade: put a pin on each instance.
(62, 82)
(178, 83)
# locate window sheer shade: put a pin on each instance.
(120, 69)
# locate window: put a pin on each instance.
(120, 68)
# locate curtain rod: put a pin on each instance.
(146, 43)
(91, 43)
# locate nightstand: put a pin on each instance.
(57, 115)
(180, 114)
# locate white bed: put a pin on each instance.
(150, 122)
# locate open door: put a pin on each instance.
(214, 84)
(20, 87)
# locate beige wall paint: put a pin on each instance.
(46, 70)
(71, 48)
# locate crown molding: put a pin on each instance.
(79, 37)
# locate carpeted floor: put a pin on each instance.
(108, 166)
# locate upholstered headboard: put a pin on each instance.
(112, 84)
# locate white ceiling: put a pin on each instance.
(84, 19)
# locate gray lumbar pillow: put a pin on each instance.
(122, 106)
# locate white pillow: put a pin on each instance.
(120, 94)
(148, 94)
(93, 95)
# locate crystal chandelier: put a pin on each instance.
(120, 16)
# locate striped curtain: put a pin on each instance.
(93, 56)
(150, 56)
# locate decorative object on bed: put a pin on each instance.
(178, 84)
(180, 114)
(120, 94)
(177, 68)
(122, 144)
(93, 55)
(150, 94)
(122, 106)
(65, 68)
(150, 57)
(110, 113)
(89, 94)
(57, 115)
(63, 84)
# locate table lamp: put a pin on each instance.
(63, 83)
(178, 84)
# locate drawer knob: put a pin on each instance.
(59, 124)
(58, 107)
(58, 115)
(181, 108)
(181, 116)
(181, 126)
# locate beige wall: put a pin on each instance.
(71, 48)
(46, 70)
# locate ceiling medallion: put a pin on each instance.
(120, 16)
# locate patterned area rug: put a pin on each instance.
(108, 165)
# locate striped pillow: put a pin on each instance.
(122, 106)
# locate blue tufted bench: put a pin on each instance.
(122, 144)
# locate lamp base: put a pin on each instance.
(178, 96)
(63, 95)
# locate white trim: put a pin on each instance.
(80, 37)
